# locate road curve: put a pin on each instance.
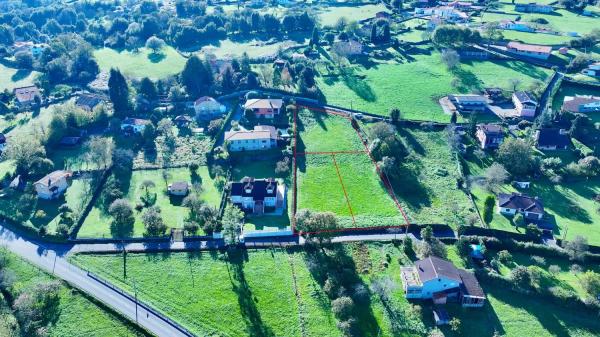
(51, 258)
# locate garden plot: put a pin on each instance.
(98, 222)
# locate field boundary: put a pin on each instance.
(382, 176)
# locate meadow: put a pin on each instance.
(427, 187)
(329, 15)
(97, 223)
(73, 308)
(238, 296)
(11, 78)
(141, 63)
(320, 132)
(415, 87)
(536, 38)
(255, 48)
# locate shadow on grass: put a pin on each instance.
(246, 300)
(156, 57)
(21, 74)
(411, 141)
(562, 204)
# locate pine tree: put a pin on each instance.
(119, 93)
(148, 89)
(227, 82)
(196, 77)
(314, 41)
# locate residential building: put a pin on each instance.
(264, 107)
(382, 15)
(35, 49)
(592, 70)
(525, 103)
(447, 13)
(582, 104)
(27, 96)
(208, 108)
(439, 280)
(530, 207)
(469, 103)
(52, 185)
(462, 5)
(178, 188)
(533, 7)
(490, 136)
(134, 125)
(516, 25)
(529, 50)
(257, 196)
(348, 48)
(88, 102)
(263, 137)
(552, 139)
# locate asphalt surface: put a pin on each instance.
(53, 261)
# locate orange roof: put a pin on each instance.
(532, 48)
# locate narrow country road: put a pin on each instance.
(51, 258)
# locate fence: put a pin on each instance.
(144, 306)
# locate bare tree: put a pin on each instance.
(450, 58)
(495, 176)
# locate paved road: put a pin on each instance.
(51, 258)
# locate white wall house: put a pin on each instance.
(208, 108)
(511, 204)
(52, 185)
(257, 196)
(263, 137)
(525, 104)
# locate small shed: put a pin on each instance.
(179, 188)
(522, 184)
(441, 316)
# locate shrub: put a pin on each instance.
(521, 277)
(488, 209)
(554, 269)
(540, 261)
(342, 307)
(505, 257)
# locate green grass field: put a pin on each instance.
(319, 132)
(11, 78)
(427, 186)
(142, 63)
(77, 314)
(536, 38)
(328, 16)
(254, 48)
(415, 87)
(97, 223)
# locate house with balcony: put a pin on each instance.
(257, 196)
(264, 107)
(262, 137)
(525, 104)
(490, 136)
(53, 185)
(440, 281)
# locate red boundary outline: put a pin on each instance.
(381, 174)
(337, 169)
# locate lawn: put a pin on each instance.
(536, 38)
(329, 15)
(254, 48)
(320, 132)
(415, 87)
(11, 78)
(427, 187)
(212, 294)
(142, 63)
(97, 223)
(567, 89)
(564, 21)
(77, 314)
(30, 123)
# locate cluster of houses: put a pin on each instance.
(525, 104)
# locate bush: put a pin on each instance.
(342, 307)
(488, 209)
(521, 277)
(505, 257)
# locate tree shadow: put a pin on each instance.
(360, 87)
(156, 57)
(21, 74)
(246, 299)
(561, 204)
(411, 141)
(120, 231)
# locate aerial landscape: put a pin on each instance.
(411, 168)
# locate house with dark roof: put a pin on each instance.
(88, 101)
(525, 103)
(581, 104)
(178, 188)
(530, 207)
(439, 280)
(183, 121)
(27, 96)
(552, 139)
(257, 196)
(490, 136)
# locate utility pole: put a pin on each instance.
(136, 301)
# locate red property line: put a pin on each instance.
(384, 178)
(327, 111)
(295, 190)
(343, 187)
(330, 152)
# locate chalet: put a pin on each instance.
(525, 103)
(52, 185)
(27, 96)
(511, 204)
(183, 121)
(88, 102)
(439, 280)
(592, 70)
(264, 107)
(257, 196)
(178, 188)
(582, 104)
(263, 137)
(533, 7)
(469, 103)
(552, 139)
(516, 25)
(529, 50)
(134, 125)
(208, 108)
(490, 136)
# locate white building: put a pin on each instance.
(257, 195)
(263, 137)
(207, 108)
(52, 185)
(525, 103)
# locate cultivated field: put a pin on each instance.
(415, 87)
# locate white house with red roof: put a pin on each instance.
(263, 137)
(264, 107)
(208, 108)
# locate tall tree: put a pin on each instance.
(196, 77)
(118, 91)
(148, 89)
(232, 223)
